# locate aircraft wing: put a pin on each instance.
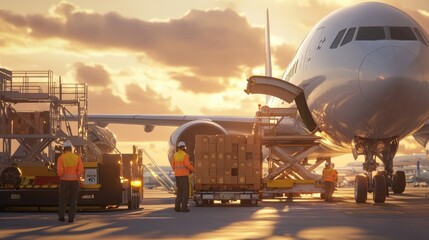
(232, 123)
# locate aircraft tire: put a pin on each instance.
(361, 189)
(379, 194)
(399, 182)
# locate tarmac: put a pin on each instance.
(404, 216)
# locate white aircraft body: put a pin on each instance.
(362, 79)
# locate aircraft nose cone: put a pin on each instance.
(391, 77)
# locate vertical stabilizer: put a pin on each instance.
(268, 69)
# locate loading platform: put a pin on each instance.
(290, 172)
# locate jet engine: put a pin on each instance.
(102, 137)
(187, 133)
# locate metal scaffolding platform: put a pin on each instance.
(31, 114)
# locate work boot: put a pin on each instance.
(186, 210)
(177, 210)
(71, 220)
(61, 219)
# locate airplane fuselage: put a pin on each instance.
(364, 73)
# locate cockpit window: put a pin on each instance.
(401, 33)
(420, 36)
(338, 38)
(371, 33)
(349, 36)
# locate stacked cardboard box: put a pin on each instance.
(31, 123)
(231, 161)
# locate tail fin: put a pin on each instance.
(268, 69)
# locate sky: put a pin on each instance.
(165, 57)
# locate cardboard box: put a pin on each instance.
(234, 180)
(220, 138)
(201, 139)
(212, 147)
(201, 147)
(227, 179)
(249, 172)
(213, 180)
(212, 139)
(220, 180)
(227, 163)
(202, 172)
(201, 156)
(213, 172)
(250, 139)
(234, 139)
(220, 147)
(227, 172)
(220, 155)
(213, 163)
(234, 164)
(241, 156)
(242, 147)
(257, 172)
(256, 164)
(205, 179)
(228, 157)
(199, 180)
(234, 148)
(227, 144)
(253, 180)
(234, 172)
(213, 156)
(242, 164)
(249, 164)
(220, 163)
(241, 172)
(241, 179)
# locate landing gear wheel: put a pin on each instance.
(379, 194)
(245, 202)
(361, 189)
(322, 195)
(399, 182)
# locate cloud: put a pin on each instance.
(150, 101)
(210, 43)
(93, 75)
(283, 54)
(409, 145)
(198, 85)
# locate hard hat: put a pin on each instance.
(67, 144)
(327, 164)
(181, 144)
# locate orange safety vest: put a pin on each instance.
(181, 164)
(329, 174)
(70, 167)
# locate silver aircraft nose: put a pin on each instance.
(391, 78)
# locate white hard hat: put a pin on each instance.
(67, 144)
(181, 144)
(326, 164)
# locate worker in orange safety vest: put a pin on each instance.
(182, 168)
(329, 176)
(70, 169)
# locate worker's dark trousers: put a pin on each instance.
(329, 190)
(182, 183)
(68, 194)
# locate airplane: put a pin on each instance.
(420, 176)
(359, 80)
(410, 160)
